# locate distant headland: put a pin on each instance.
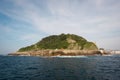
(60, 45)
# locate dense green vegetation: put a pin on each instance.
(63, 41)
(53, 42)
(90, 46)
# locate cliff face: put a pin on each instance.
(57, 53)
(63, 41)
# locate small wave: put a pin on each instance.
(108, 55)
(70, 56)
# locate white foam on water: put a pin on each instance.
(108, 55)
(70, 56)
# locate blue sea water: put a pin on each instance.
(75, 68)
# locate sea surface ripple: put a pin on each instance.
(56, 68)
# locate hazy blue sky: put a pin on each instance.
(24, 22)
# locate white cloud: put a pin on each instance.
(86, 18)
(28, 37)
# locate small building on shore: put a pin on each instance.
(102, 50)
(115, 52)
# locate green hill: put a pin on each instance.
(62, 41)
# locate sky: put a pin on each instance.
(25, 22)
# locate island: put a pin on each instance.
(60, 45)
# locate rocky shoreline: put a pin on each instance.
(59, 53)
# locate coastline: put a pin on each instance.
(57, 53)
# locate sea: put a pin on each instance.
(60, 68)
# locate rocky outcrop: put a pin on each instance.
(57, 53)
(60, 45)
